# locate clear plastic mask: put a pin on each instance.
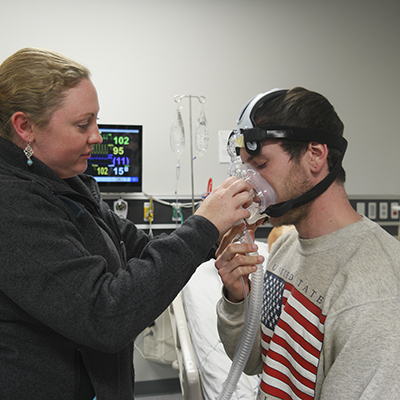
(262, 192)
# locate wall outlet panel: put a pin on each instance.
(394, 212)
(382, 210)
(371, 210)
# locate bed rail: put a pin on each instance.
(188, 373)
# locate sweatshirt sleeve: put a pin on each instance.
(230, 321)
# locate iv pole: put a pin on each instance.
(178, 98)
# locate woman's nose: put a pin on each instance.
(95, 137)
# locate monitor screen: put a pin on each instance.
(116, 164)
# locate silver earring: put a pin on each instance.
(29, 153)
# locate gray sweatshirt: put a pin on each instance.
(330, 325)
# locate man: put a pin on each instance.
(330, 323)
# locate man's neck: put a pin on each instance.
(329, 212)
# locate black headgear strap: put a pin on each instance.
(253, 136)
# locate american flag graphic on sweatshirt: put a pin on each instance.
(292, 335)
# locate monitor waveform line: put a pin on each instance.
(100, 149)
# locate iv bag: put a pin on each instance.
(201, 133)
(177, 133)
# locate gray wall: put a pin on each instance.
(142, 53)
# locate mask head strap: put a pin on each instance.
(253, 137)
(252, 141)
(279, 209)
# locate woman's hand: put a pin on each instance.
(226, 205)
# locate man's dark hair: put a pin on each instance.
(305, 109)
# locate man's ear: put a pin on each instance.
(318, 155)
(22, 126)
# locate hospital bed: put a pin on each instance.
(202, 362)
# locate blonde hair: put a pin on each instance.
(33, 81)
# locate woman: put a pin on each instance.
(78, 283)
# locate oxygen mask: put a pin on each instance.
(262, 193)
